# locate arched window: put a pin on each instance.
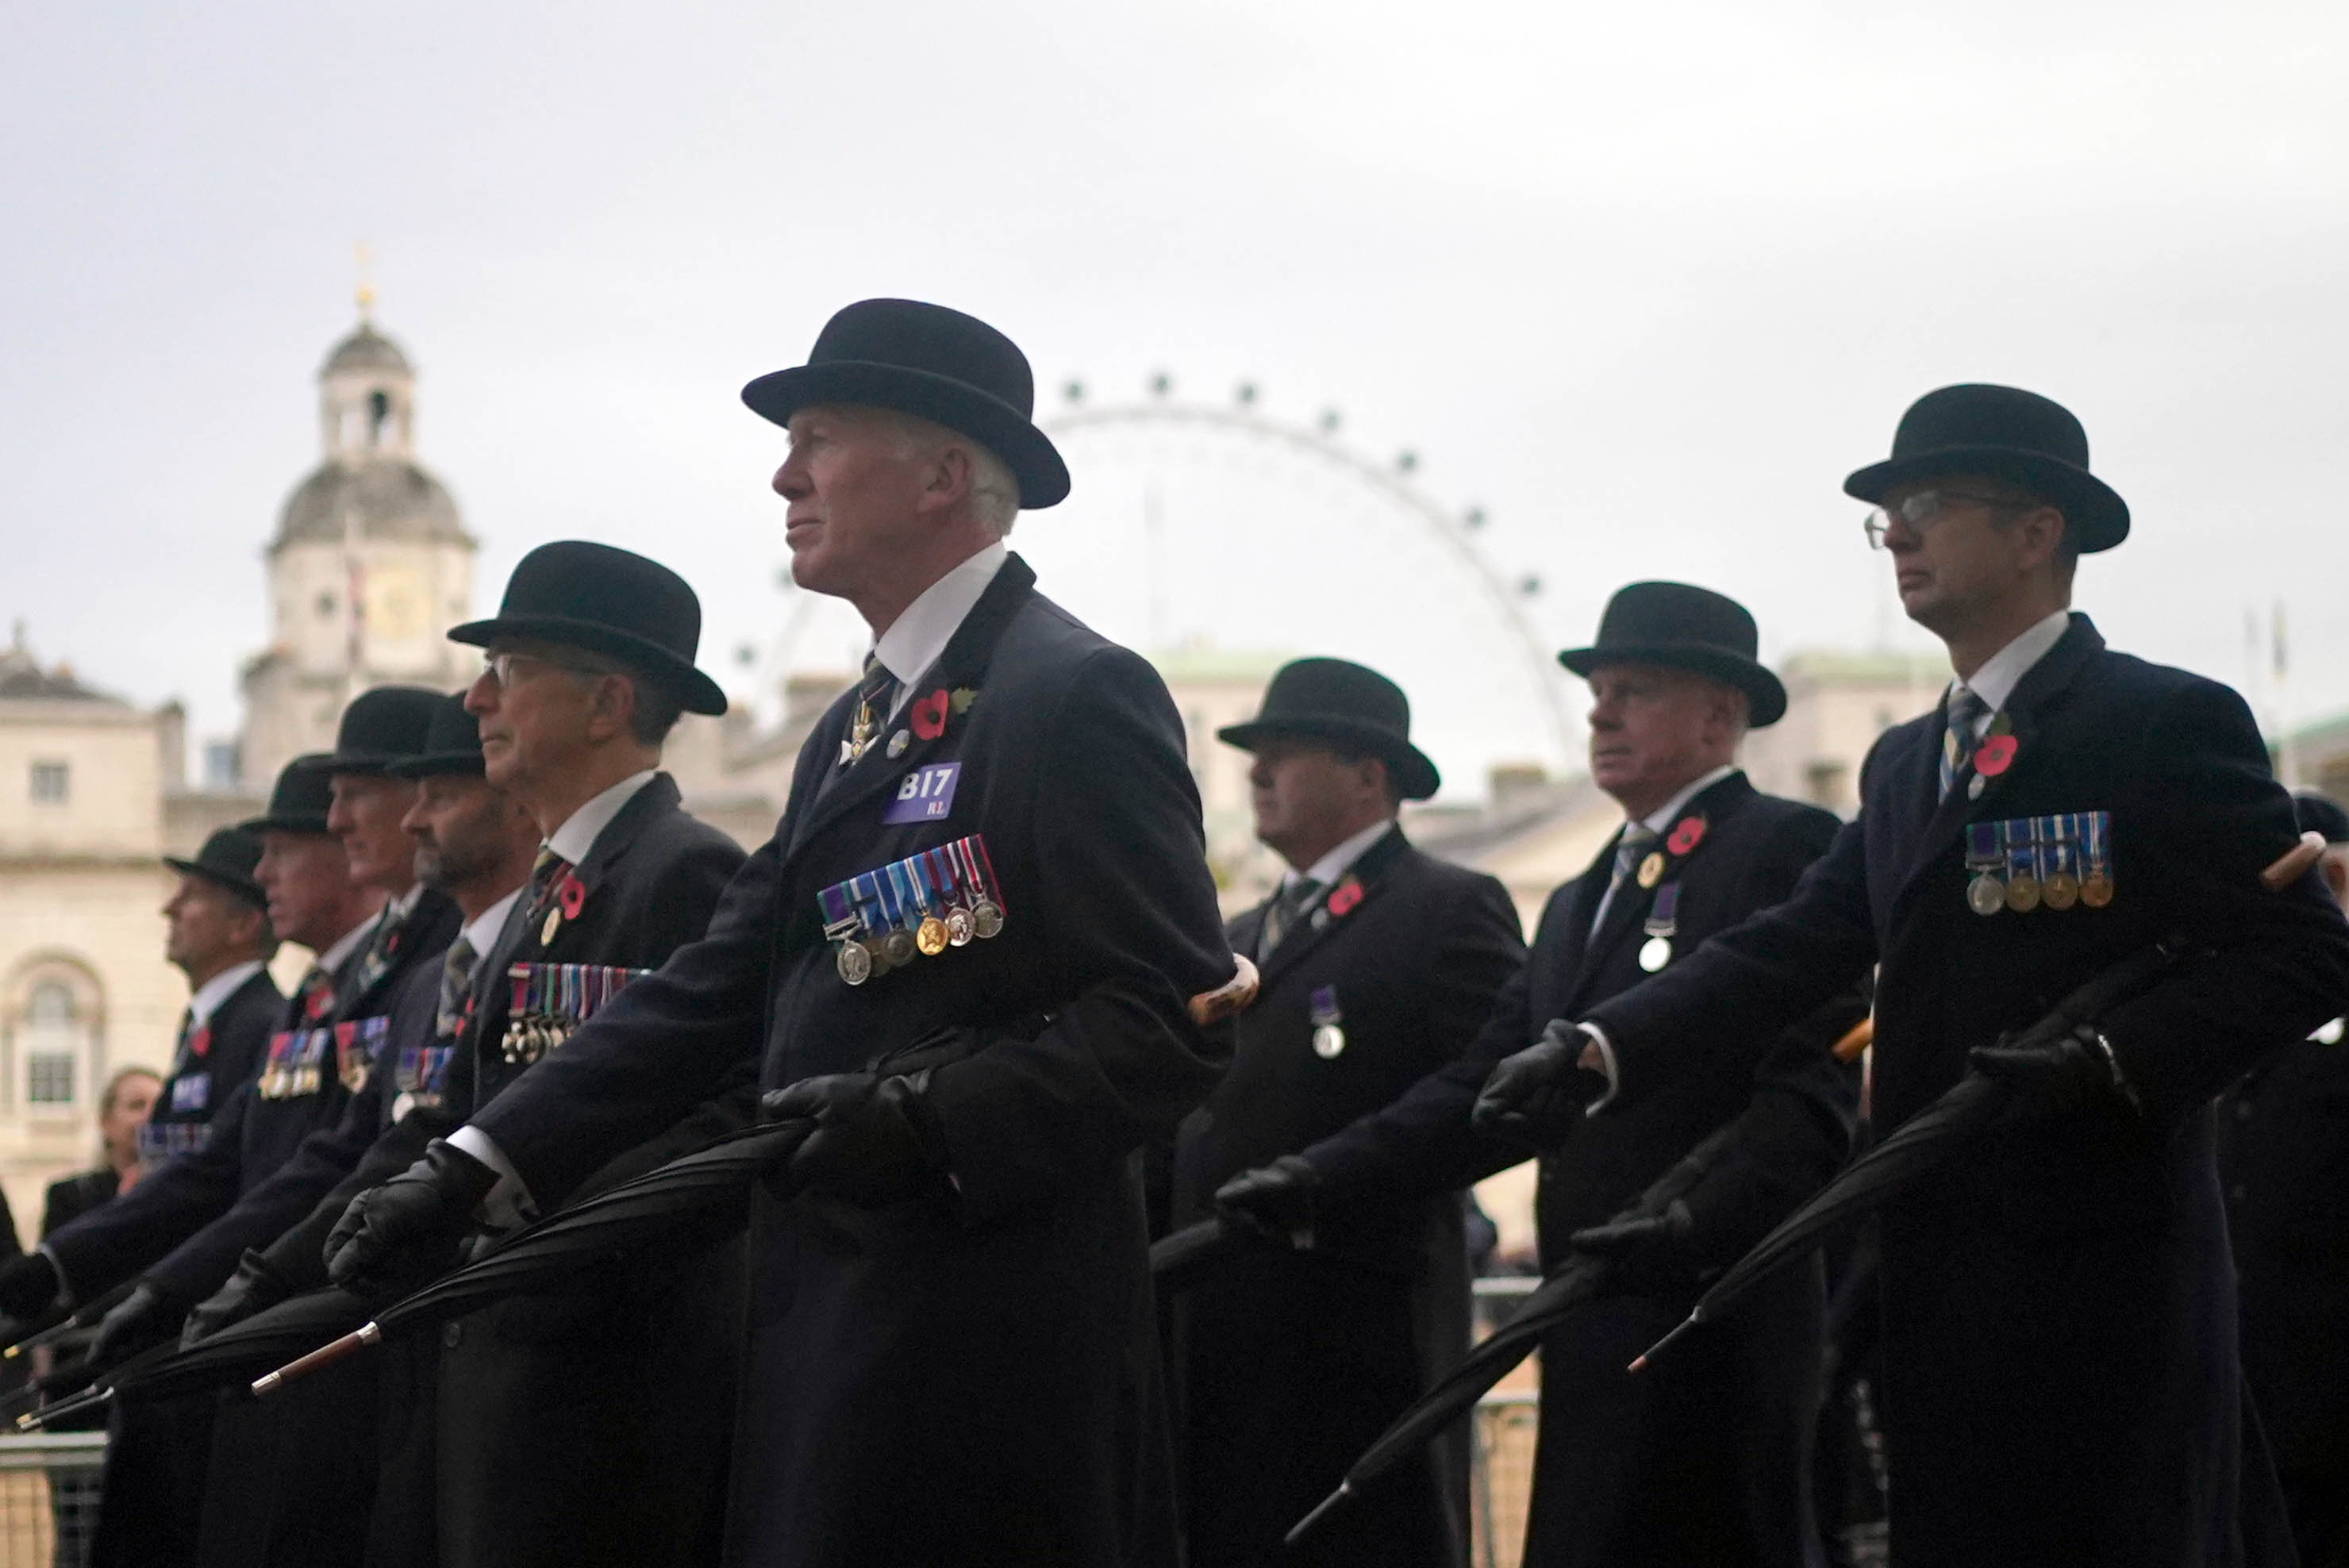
(54, 1030)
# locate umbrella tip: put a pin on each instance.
(1345, 1489)
(1658, 1348)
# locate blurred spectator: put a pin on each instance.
(130, 1097)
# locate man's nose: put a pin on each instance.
(789, 482)
(481, 697)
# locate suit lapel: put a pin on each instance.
(1355, 886)
(2041, 685)
(1633, 901)
(962, 665)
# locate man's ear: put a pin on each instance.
(951, 474)
(613, 704)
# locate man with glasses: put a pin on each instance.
(2061, 1377)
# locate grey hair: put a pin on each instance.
(994, 492)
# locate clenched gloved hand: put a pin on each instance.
(412, 1228)
(1537, 1098)
(1655, 1252)
(256, 1286)
(1275, 1200)
(147, 1317)
(28, 1286)
(877, 1141)
(2069, 1074)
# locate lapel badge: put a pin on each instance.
(928, 715)
(897, 744)
(961, 700)
(552, 923)
(1329, 1031)
(1651, 869)
(1687, 834)
(1342, 902)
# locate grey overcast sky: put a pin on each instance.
(1644, 282)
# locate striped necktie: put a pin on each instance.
(1629, 850)
(1282, 914)
(874, 695)
(456, 985)
(1965, 710)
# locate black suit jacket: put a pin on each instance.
(250, 1139)
(2057, 1301)
(1289, 1365)
(1001, 1352)
(237, 1041)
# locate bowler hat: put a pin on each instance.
(2321, 814)
(1687, 628)
(451, 745)
(936, 364)
(380, 727)
(299, 802)
(227, 858)
(610, 602)
(1356, 708)
(2002, 433)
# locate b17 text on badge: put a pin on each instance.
(925, 795)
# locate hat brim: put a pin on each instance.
(438, 765)
(1766, 698)
(370, 762)
(996, 425)
(243, 887)
(289, 824)
(1415, 777)
(2098, 517)
(695, 691)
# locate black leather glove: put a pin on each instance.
(28, 1286)
(876, 1141)
(1653, 1253)
(2070, 1074)
(413, 1227)
(1537, 1098)
(256, 1287)
(145, 1317)
(1275, 1200)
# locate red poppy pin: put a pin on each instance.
(929, 715)
(1342, 902)
(569, 893)
(1995, 756)
(1687, 834)
(200, 1044)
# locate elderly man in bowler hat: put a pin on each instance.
(2061, 1377)
(965, 960)
(1378, 965)
(1706, 1461)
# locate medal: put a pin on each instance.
(1985, 894)
(1655, 952)
(1329, 1030)
(1328, 1040)
(854, 961)
(2096, 884)
(930, 932)
(944, 878)
(2061, 888)
(554, 923)
(986, 915)
(1651, 869)
(1663, 921)
(897, 744)
(897, 942)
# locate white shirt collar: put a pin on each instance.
(2004, 670)
(483, 928)
(332, 960)
(579, 832)
(218, 989)
(398, 909)
(1331, 866)
(1662, 816)
(915, 639)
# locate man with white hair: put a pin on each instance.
(963, 961)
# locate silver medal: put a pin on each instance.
(1655, 952)
(1328, 1040)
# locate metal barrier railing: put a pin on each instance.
(48, 1498)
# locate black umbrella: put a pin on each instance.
(1577, 1281)
(1179, 1260)
(57, 1326)
(1919, 1146)
(632, 1214)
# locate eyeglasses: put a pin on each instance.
(499, 667)
(1924, 509)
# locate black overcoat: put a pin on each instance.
(236, 1039)
(1291, 1364)
(1706, 1460)
(975, 1386)
(2060, 1365)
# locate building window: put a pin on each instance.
(52, 783)
(51, 1030)
(326, 606)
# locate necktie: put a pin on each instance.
(873, 703)
(1965, 710)
(544, 872)
(1629, 850)
(180, 1058)
(382, 942)
(317, 994)
(1293, 900)
(456, 985)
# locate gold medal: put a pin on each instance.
(986, 919)
(552, 923)
(1328, 1040)
(2021, 894)
(2061, 891)
(2095, 890)
(959, 930)
(1985, 894)
(1655, 952)
(1651, 869)
(930, 937)
(854, 961)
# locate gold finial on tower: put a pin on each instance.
(366, 292)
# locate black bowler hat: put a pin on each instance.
(2002, 433)
(451, 745)
(1356, 708)
(1687, 628)
(936, 364)
(380, 727)
(2321, 814)
(298, 804)
(609, 602)
(227, 857)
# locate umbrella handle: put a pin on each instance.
(2290, 866)
(1229, 999)
(1855, 1040)
(324, 1355)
